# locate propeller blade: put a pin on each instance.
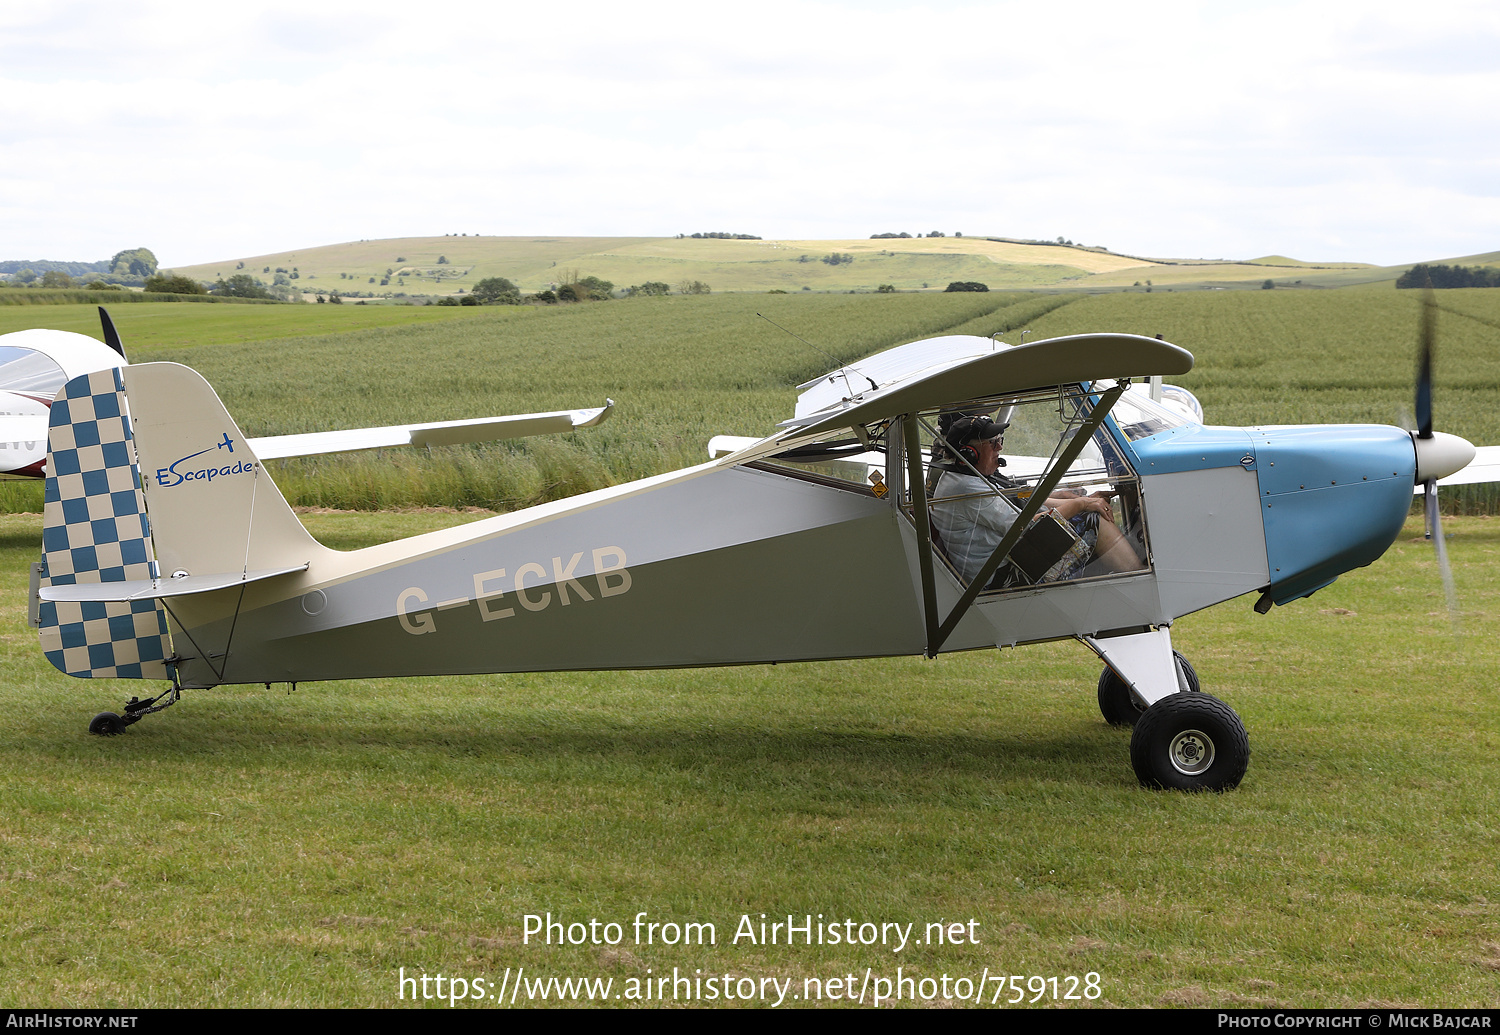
(1427, 337)
(1440, 547)
(111, 336)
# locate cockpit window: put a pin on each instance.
(1092, 525)
(29, 372)
(1138, 416)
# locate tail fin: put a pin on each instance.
(94, 531)
(204, 507)
(213, 509)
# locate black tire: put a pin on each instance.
(1190, 742)
(1115, 702)
(107, 724)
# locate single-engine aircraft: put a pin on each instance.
(35, 364)
(169, 553)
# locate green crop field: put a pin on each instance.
(254, 847)
(683, 369)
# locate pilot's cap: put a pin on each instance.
(967, 428)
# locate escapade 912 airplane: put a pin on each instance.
(169, 553)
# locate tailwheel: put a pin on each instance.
(1117, 705)
(1190, 742)
(106, 724)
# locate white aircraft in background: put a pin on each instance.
(35, 364)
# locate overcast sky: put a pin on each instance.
(1330, 130)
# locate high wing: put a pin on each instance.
(440, 433)
(933, 380)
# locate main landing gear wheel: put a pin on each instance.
(1190, 742)
(1115, 702)
(107, 724)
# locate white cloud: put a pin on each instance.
(1328, 130)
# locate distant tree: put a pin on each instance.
(935, 233)
(239, 266)
(496, 291)
(442, 260)
(25, 276)
(967, 285)
(99, 285)
(651, 287)
(400, 258)
(546, 295)
(838, 258)
(241, 285)
(1441, 276)
(170, 283)
(693, 287)
(137, 262)
(958, 233)
(886, 289)
(594, 289)
(447, 300)
(568, 293)
(56, 279)
(1268, 285)
(468, 300)
(334, 298)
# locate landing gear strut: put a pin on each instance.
(1117, 705)
(108, 724)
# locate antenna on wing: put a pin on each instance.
(840, 367)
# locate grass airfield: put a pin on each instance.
(251, 847)
(254, 847)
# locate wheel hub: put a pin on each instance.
(1191, 752)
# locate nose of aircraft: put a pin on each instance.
(1441, 455)
(1334, 497)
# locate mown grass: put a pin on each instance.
(251, 847)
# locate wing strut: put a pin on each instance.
(918, 486)
(1023, 520)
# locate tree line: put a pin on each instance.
(1439, 276)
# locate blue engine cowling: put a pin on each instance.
(1333, 498)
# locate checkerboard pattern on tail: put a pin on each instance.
(96, 530)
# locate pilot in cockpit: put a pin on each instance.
(971, 526)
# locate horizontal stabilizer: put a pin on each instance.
(440, 433)
(154, 589)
